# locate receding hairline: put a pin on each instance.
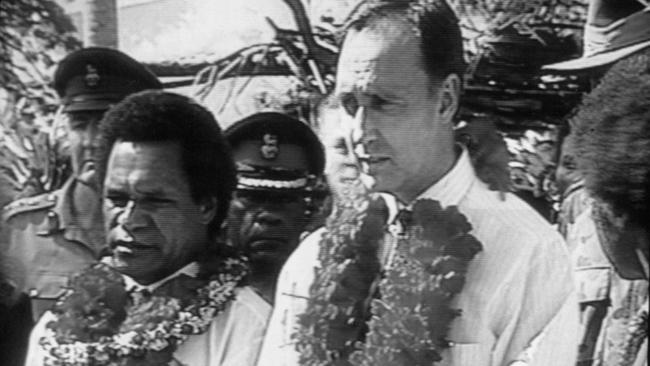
(395, 23)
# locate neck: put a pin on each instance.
(445, 161)
(264, 284)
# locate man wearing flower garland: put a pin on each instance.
(280, 163)
(178, 296)
(399, 83)
(54, 235)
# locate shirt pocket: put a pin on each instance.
(48, 285)
(593, 283)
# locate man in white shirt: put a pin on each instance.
(167, 176)
(399, 83)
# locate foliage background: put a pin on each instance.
(34, 36)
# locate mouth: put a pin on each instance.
(348, 173)
(121, 247)
(372, 159)
(266, 245)
(369, 163)
(87, 173)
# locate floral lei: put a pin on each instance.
(357, 315)
(99, 322)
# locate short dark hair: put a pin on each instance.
(612, 138)
(435, 22)
(162, 116)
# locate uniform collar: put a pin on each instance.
(453, 186)
(573, 187)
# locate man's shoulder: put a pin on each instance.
(307, 250)
(29, 207)
(300, 266)
(510, 222)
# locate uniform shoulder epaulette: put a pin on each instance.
(27, 204)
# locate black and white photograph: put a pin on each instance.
(324, 182)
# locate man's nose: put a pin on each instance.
(130, 217)
(358, 131)
(90, 135)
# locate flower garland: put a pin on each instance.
(98, 322)
(411, 314)
(337, 310)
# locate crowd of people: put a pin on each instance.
(175, 242)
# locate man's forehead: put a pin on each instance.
(372, 51)
(158, 155)
(145, 165)
(388, 38)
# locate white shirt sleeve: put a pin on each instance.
(291, 297)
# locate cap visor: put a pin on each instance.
(597, 60)
(88, 105)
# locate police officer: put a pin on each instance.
(280, 164)
(56, 234)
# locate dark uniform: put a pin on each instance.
(46, 240)
(280, 163)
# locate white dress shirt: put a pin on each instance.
(519, 286)
(233, 338)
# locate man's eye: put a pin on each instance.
(339, 146)
(76, 124)
(350, 104)
(156, 201)
(378, 102)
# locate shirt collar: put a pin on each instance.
(449, 190)
(453, 186)
(191, 269)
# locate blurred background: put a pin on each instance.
(238, 58)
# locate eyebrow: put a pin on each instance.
(151, 192)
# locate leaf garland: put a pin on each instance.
(411, 321)
(337, 309)
(411, 313)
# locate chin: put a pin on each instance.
(382, 184)
(267, 263)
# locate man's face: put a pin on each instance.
(567, 173)
(392, 106)
(153, 225)
(266, 226)
(341, 165)
(83, 135)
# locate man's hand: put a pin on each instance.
(488, 152)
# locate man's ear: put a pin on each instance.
(208, 208)
(449, 98)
